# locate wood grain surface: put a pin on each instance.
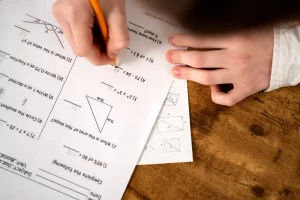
(248, 151)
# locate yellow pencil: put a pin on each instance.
(101, 21)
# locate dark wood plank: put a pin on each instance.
(248, 151)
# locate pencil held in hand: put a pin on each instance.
(100, 19)
(99, 45)
(79, 32)
(101, 23)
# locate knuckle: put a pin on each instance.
(245, 57)
(239, 39)
(123, 44)
(241, 59)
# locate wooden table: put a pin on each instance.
(248, 151)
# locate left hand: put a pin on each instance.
(244, 59)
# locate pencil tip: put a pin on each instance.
(115, 62)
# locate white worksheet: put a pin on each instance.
(170, 140)
(70, 130)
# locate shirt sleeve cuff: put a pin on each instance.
(286, 58)
(275, 62)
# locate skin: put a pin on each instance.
(244, 58)
(76, 18)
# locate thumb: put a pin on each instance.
(234, 96)
(117, 30)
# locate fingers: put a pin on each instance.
(81, 26)
(76, 18)
(62, 20)
(117, 27)
(196, 41)
(205, 77)
(83, 37)
(118, 33)
(236, 95)
(82, 33)
(198, 59)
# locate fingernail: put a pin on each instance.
(176, 72)
(169, 56)
(172, 40)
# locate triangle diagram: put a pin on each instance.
(172, 145)
(169, 124)
(100, 112)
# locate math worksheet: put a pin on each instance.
(170, 140)
(68, 129)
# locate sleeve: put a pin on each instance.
(286, 58)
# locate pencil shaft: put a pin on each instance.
(100, 19)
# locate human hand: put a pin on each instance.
(76, 18)
(243, 59)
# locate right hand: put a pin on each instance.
(76, 18)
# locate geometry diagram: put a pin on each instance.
(172, 99)
(172, 145)
(169, 124)
(48, 27)
(100, 111)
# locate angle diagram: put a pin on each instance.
(49, 27)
